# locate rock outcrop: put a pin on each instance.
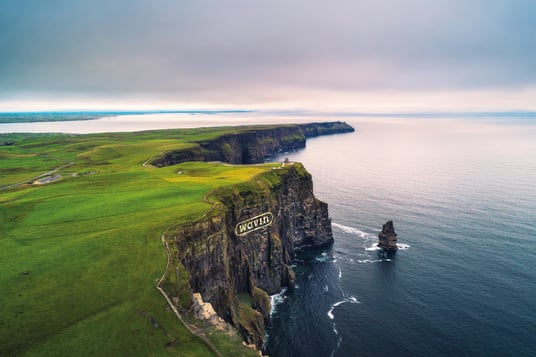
(205, 312)
(387, 237)
(251, 145)
(236, 273)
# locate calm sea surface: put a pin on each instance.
(462, 195)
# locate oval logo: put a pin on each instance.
(252, 224)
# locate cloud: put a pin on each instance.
(263, 51)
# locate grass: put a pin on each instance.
(81, 256)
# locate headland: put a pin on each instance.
(83, 253)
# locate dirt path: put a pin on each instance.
(196, 332)
(193, 330)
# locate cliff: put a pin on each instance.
(250, 146)
(240, 252)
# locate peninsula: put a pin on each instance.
(82, 253)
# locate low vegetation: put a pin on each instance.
(81, 255)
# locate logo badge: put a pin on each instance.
(253, 224)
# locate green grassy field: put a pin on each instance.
(80, 256)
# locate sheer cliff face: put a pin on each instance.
(245, 147)
(236, 267)
(251, 145)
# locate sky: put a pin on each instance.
(362, 55)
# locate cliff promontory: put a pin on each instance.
(250, 146)
(240, 252)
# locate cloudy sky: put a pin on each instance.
(369, 55)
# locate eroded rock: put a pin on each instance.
(223, 266)
(387, 237)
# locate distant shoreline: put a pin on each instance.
(15, 117)
(54, 116)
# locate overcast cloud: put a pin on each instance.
(255, 51)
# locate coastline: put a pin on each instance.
(99, 173)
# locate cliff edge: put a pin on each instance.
(240, 251)
(251, 145)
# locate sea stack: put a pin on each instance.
(387, 237)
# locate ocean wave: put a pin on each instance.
(277, 299)
(352, 230)
(364, 261)
(373, 247)
(402, 246)
(325, 257)
(369, 261)
(350, 299)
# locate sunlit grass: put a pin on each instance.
(81, 256)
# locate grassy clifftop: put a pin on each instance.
(81, 255)
(81, 220)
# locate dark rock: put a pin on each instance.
(251, 146)
(387, 237)
(327, 128)
(221, 264)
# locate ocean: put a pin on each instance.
(462, 195)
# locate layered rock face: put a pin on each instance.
(387, 237)
(236, 272)
(251, 145)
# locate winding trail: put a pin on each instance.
(193, 330)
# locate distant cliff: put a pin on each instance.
(249, 146)
(236, 266)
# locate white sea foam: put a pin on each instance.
(373, 247)
(277, 299)
(340, 272)
(350, 299)
(330, 313)
(324, 257)
(403, 246)
(352, 230)
(326, 288)
(367, 261)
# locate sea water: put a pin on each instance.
(462, 195)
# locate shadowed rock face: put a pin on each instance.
(235, 273)
(251, 146)
(387, 237)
